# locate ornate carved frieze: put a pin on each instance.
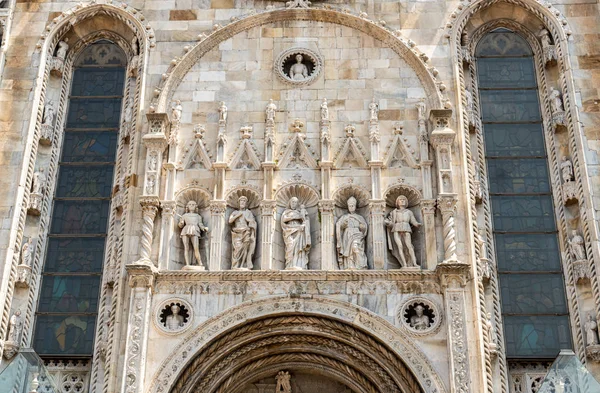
(351, 153)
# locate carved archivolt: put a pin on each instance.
(406, 50)
(348, 343)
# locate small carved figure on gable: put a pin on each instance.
(324, 110)
(399, 230)
(222, 112)
(270, 111)
(374, 110)
(191, 230)
(177, 111)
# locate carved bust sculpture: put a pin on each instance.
(419, 321)
(398, 224)
(295, 227)
(577, 246)
(299, 71)
(175, 320)
(591, 330)
(15, 327)
(243, 236)
(351, 230)
(191, 230)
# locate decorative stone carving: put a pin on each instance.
(173, 316)
(283, 378)
(549, 50)
(491, 334)
(592, 348)
(420, 316)
(191, 230)
(399, 154)
(477, 183)
(298, 4)
(296, 153)
(351, 153)
(38, 187)
(58, 62)
(484, 261)
(243, 236)
(295, 227)
(557, 107)
(324, 110)
(470, 109)
(351, 231)
(24, 267)
(222, 113)
(566, 168)
(245, 155)
(373, 111)
(196, 155)
(299, 66)
(569, 186)
(447, 205)
(577, 246)
(15, 328)
(176, 112)
(47, 128)
(399, 230)
(270, 112)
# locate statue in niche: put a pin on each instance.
(566, 167)
(399, 230)
(324, 110)
(374, 110)
(243, 236)
(153, 162)
(491, 332)
(49, 114)
(469, 96)
(351, 230)
(128, 113)
(591, 330)
(135, 46)
(175, 320)
(299, 71)
(295, 226)
(27, 252)
(419, 321)
(191, 230)
(150, 185)
(15, 327)
(421, 108)
(270, 111)
(577, 246)
(63, 47)
(176, 111)
(39, 182)
(544, 37)
(284, 384)
(222, 112)
(556, 102)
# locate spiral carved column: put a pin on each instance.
(447, 205)
(149, 210)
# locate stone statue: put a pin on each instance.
(566, 167)
(39, 182)
(295, 227)
(374, 110)
(284, 384)
(399, 232)
(63, 47)
(544, 37)
(591, 330)
(176, 111)
(128, 113)
(491, 332)
(577, 246)
(351, 230)
(270, 111)
(134, 46)
(222, 112)
(469, 100)
(175, 320)
(27, 252)
(153, 163)
(555, 101)
(191, 227)
(150, 185)
(15, 327)
(421, 107)
(419, 321)
(299, 71)
(243, 236)
(324, 110)
(49, 114)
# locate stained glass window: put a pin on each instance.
(71, 278)
(534, 308)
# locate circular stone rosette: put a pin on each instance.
(311, 59)
(159, 315)
(431, 310)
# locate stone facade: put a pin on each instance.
(273, 117)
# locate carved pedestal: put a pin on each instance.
(217, 220)
(569, 191)
(377, 232)
(141, 279)
(47, 134)
(35, 204)
(581, 270)
(328, 258)
(558, 119)
(23, 276)
(592, 352)
(267, 221)
(57, 66)
(10, 350)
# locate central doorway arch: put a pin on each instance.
(303, 344)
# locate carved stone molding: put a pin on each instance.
(141, 276)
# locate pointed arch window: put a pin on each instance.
(534, 308)
(72, 273)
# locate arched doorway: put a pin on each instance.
(316, 351)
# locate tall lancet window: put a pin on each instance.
(72, 273)
(534, 308)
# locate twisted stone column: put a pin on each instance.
(149, 210)
(447, 205)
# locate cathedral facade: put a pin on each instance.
(259, 196)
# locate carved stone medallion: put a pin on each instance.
(419, 316)
(173, 316)
(298, 66)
